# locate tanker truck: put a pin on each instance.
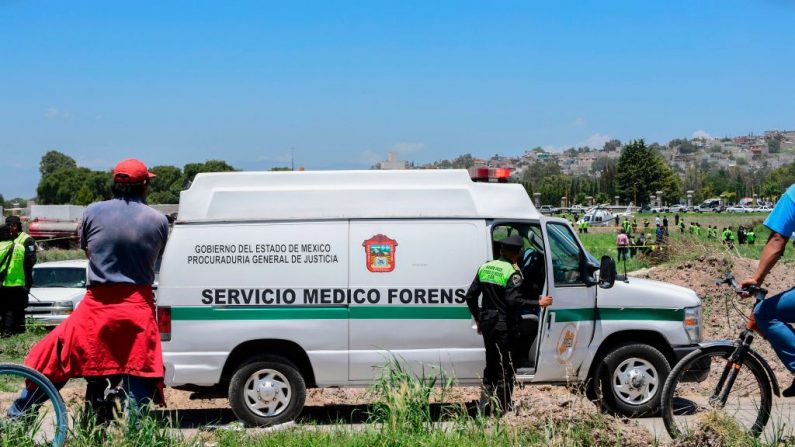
(55, 225)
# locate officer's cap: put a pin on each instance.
(13, 220)
(515, 241)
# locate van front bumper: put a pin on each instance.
(681, 351)
(700, 371)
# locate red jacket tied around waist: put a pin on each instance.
(112, 331)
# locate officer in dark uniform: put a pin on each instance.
(500, 282)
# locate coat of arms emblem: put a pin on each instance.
(380, 251)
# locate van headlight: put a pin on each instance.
(692, 322)
(62, 307)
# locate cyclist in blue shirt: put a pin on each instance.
(774, 314)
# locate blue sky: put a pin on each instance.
(172, 82)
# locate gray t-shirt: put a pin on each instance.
(123, 239)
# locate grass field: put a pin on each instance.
(57, 254)
(14, 349)
(601, 241)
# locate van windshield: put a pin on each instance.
(59, 277)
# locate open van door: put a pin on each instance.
(567, 325)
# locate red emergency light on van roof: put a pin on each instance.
(486, 174)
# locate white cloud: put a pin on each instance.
(579, 122)
(596, 141)
(55, 113)
(702, 134)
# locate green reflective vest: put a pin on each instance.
(751, 236)
(496, 272)
(15, 276)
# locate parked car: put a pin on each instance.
(57, 289)
(549, 209)
(710, 205)
(763, 209)
(739, 209)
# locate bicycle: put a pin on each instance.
(35, 424)
(722, 379)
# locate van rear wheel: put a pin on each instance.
(267, 391)
(631, 379)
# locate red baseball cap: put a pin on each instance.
(131, 171)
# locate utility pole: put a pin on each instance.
(292, 158)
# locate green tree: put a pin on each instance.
(167, 178)
(167, 184)
(161, 197)
(465, 161)
(601, 163)
(612, 145)
(53, 161)
(84, 196)
(191, 169)
(537, 171)
(15, 202)
(774, 142)
(61, 186)
(74, 185)
(642, 172)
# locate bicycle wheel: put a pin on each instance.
(688, 403)
(44, 423)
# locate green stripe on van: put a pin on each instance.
(410, 313)
(406, 313)
(259, 313)
(620, 313)
(641, 313)
(322, 313)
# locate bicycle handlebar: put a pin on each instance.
(758, 292)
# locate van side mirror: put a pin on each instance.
(607, 272)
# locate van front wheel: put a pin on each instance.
(631, 379)
(266, 392)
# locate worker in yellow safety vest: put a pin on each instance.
(13, 291)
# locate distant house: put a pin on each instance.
(392, 163)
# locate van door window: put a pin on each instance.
(567, 256)
(532, 264)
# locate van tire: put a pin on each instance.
(631, 378)
(266, 382)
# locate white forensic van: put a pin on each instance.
(272, 283)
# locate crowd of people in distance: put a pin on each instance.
(628, 244)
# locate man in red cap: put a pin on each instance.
(112, 337)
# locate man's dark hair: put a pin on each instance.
(128, 191)
(5, 233)
(510, 250)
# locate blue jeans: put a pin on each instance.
(772, 316)
(140, 392)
